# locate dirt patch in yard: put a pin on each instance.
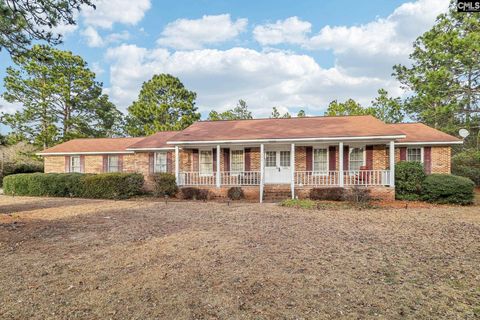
(84, 259)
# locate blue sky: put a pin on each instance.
(288, 54)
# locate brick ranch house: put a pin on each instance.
(268, 158)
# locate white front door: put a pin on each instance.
(277, 166)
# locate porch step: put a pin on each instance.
(276, 193)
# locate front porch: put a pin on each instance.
(294, 165)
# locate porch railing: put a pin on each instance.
(350, 178)
(196, 179)
(316, 178)
(227, 178)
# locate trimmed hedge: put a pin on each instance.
(165, 185)
(332, 194)
(235, 193)
(101, 186)
(190, 193)
(409, 177)
(467, 164)
(447, 188)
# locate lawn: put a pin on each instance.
(96, 259)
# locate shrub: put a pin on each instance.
(107, 185)
(165, 184)
(190, 193)
(299, 203)
(235, 193)
(333, 194)
(447, 188)
(112, 185)
(467, 164)
(359, 196)
(409, 177)
(24, 167)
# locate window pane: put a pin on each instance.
(236, 160)
(160, 162)
(113, 164)
(270, 159)
(206, 162)
(285, 158)
(320, 160)
(75, 164)
(356, 158)
(414, 154)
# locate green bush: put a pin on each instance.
(165, 184)
(105, 185)
(14, 168)
(332, 194)
(467, 164)
(112, 185)
(409, 177)
(190, 193)
(235, 193)
(447, 188)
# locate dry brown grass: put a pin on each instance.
(84, 259)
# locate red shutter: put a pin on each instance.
(169, 162)
(67, 164)
(309, 158)
(214, 156)
(151, 162)
(195, 162)
(403, 154)
(332, 158)
(105, 163)
(248, 162)
(346, 158)
(427, 159)
(369, 156)
(120, 163)
(82, 164)
(226, 159)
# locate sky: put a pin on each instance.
(290, 54)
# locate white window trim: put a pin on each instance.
(108, 163)
(320, 173)
(422, 158)
(199, 163)
(156, 154)
(79, 164)
(243, 158)
(350, 149)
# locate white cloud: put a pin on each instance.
(108, 12)
(8, 107)
(263, 79)
(194, 34)
(93, 38)
(291, 30)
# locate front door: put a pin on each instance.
(277, 166)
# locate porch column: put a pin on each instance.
(262, 170)
(177, 165)
(392, 163)
(292, 166)
(340, 164)
(218, 166)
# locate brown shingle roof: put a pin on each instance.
(157, 140)
(293, 128)
(93, 145)
(419, 132)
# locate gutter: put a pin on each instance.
(81, 153)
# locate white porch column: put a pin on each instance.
(392, 163)
(218, 166)
(292, 166)
(177, 165)
(340, 164)
(262, 170)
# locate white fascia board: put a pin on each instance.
(289, 140)
(426, 143)
(150, 149)
(80, 153)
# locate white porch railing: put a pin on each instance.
(227, 178)
(311, 178)
(350, 178)
(240, 178)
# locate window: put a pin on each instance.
(356, 158)
(284, 158)
(206, 162)
(236, 160)
(414, 154)
(160, 162)
(270, 159)
(75, 164)
(320, 160)
(113, 164)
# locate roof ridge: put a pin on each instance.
(291, 118)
